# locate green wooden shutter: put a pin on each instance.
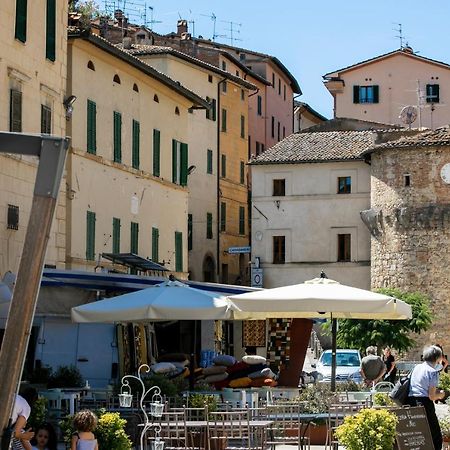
(214, 109)
(174, 161)
(116, 235)
(50, 36)
(136, 144)
(355, 94)
(155, 244)
(376, 94)
(178, 251)
(134, 238)
(15, 111)
(223, 166)
(259, 105)
(91, 127)
(21, 20)
(209, 110)
(242, 173)
(241, 220)
(224, 120)
(190, 231)
(117, 137)
(156, 153)
(209, 226)
(184, 157)
(209, 161)
(90, 236)
(223, 216)
(243, 127)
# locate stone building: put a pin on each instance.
(409, 221)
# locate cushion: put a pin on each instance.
(224, 360)
(237, 367)
(263, 373)
(212, 370)
(221, 384)
(254, 359)
(184, 363)
(163, 367)
(240, 382)
(177, 357)
(216, 377)
(177, 372)
(258, 382)
(244, 370)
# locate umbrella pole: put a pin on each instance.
(333, 353)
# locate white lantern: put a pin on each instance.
(156, 409)
(157, 444)
(125, 398)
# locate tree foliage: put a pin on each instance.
(397, 334)
(88, 9)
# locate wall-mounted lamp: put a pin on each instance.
(191, 169)
(68, 104)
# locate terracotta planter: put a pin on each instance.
(318, 434)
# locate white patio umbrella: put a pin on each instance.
(170, 300)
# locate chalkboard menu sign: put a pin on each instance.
(413, 431)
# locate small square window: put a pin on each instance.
(344, 185)
(279, 188)
(13, 217)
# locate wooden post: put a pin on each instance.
(52, 152)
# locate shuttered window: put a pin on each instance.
(209, 161)
(90, 236)
(156, 153)
(117, 137)
(223, 216)
(136, 144)
(15, 111)
(91, 138)
(180, 159)
(134, 238)
(241, 220)
(223, 166)
(190, 231)
(365, 94)
(116, 235)
(243, 127)
(224, 120)
(432, 93)
(50, 36)
(178, 251)
(184, 164)
(155, 244)
(259, 105)
(242, 173)
(21, 20)
(211, 112)
(46, 120)
(209, 226)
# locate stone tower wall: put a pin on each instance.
(411, 232)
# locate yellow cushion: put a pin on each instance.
(240, 382)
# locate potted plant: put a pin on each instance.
(383, 399)
(444, 423)
(369, 429)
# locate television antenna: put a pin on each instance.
(213, 17)
(400, 36)
(234, 28)
(408, 115)
(152, 20)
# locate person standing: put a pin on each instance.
(372, 367)
(20, 414)
(423, 389)
(389, 362)
(84, 422)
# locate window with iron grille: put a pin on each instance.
(13, 217)
(15, 111)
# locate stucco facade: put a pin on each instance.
(37, 74)
(388, 83)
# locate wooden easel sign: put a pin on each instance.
(413, 431)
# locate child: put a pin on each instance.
(20, 414)
(83, 439)
(44, 438)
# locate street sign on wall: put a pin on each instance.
(232, 250)
(257, 277)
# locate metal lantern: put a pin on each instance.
(156, 409)
(157, 444)
(125, 397)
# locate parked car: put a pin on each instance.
(348, 362)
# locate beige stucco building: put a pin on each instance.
(379, 88)
(128, 163)
(33, 58)
(306, 117)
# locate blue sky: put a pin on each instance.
(311, 38)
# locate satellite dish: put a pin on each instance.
(408, 115)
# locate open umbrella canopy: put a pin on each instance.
(318, 298)
(170, 300)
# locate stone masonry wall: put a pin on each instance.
(412, 249)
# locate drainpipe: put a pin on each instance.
(218, 116)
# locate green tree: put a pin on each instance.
(397, 334)
(88, 9)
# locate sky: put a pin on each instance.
(310, 38)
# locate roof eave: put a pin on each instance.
(309, 161)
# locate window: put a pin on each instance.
(223, 166)
(155, 98)
(135, 144)
(177, 111)
(223, 216)
(90, 236)
(344, 247)
(135, 87)
(211, 113)
(224, 87)
(224, 120)
(407, 179)
(259, 107)
(13, 217)
(432, 91)
(178, 251)
(46, 120)
(91, 141)
(242, 172)
(224, 65)
(210, 78)
(90, 65)
(241, 220)
(279, 133)
(117, 137)
(21, 20)
(279, 188)
(50, 35)
(273, 80)
(156, 153)
(258, 148)
(365, 94)
(262, 148)
(279, 86)
(209, 161)
(209, 226)
(243, 127)
(279, 249)
(134, 238)
(190, 231)
(284, 132)
(116, 79)
(284, 92)
(15, 111)
(179, 162)
(155, 244)
(242, 94)
(344, 185)
(273, 127)
(116, 235)
(242, 57)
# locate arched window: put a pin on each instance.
(135, 87)
(177, 111)
(116, 79)
(91, 66)
(155, 98)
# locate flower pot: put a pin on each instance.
(318, 434)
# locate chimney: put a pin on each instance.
(126, 42)
(182, 27)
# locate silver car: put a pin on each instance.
(348, 363)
